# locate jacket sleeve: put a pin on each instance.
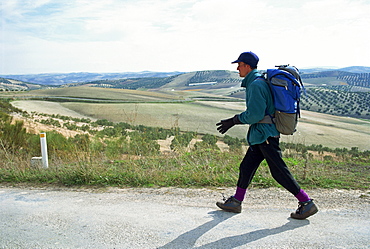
(256, 104)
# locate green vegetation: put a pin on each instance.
(219, 76)
(338, 93)
(345, 78)
(134, 83)
(91, 94)
(120, 154)
(337, 100)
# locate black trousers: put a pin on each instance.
(270, 151)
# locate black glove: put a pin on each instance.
(225, 124)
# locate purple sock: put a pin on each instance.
(302, 196)
(240, 193)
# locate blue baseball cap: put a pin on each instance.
(249, 58)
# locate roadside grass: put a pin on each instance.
(203, 168)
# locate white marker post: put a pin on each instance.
(44, 150)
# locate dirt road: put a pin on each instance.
(178, 218)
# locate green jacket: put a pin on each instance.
(258, 100)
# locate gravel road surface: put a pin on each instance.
(178, 218)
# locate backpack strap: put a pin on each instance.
(267, 119)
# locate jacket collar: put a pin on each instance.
(250, 78)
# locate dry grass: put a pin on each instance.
(201, 116)
(104, 93)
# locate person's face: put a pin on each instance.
(243, 69)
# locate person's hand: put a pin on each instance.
(225, 124)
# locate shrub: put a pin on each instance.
(235, 144)
(182, 140)
(208, 142)
(13, 137)
(141, 145)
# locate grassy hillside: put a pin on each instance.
(161, 108)
(100, 95)
(201, 116)
(218, 82)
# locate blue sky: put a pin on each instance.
(59, 36)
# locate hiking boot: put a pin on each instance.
(230, 205)
(305, 209)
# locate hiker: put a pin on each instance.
(263, 139)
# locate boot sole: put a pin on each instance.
(231, 210)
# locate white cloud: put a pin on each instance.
(168, 35)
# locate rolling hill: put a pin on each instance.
(56, 79)
(334, 92)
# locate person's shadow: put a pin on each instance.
(188, 239)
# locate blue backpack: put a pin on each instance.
(286, 88)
